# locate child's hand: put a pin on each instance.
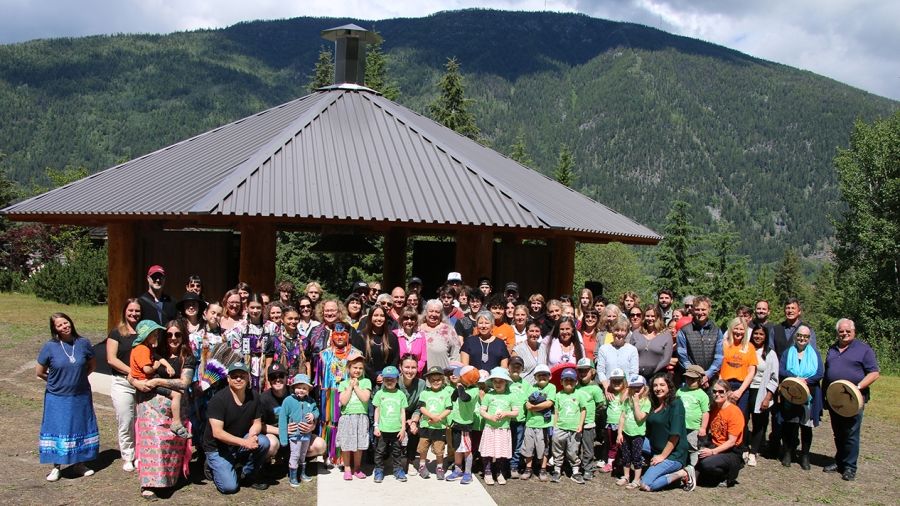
(309, 418)
(354, 382)
(610, 396)
(401, 435)
(170, 370)
(620, 439)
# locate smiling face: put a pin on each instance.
(132, 313)
(499, 312)
(63, 328)
(436, 381)
(792, 312)
(738, 330)
(174, 338)
(378, 318)
(191, 308)
(520, 316)
(433, 315)
(398, 297)
(357, 369)
(761, 311)
(660, 388)
(484, 327)
(212, 315)
(354, 306)
(330, 313)
(409, 368)
(301, 390)
(665, 300)
(759, 337)
(291, 319)
(566, 330)
(536, 306)
(254, 311)
(233, 306)
(554, 312)
(846, 332)
(701, 312)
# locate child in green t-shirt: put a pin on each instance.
(497, 409)
(390, 424)
(538, 420)
(569, 422)
(696, 410)
(615, 396)
(353, 426)
(435, 406)
(632, 430)
(520, 390)
(594, 398)
(464, 400)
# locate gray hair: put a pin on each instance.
(435, 304)
(384, 297)
(837, 325)
(484, 313)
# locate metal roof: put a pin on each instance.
(342, 153)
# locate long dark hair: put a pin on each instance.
(766, 347)
(654, 401)
(184, 349)
(368, 332)
(554, 334)
(53, 335)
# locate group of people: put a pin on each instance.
(656, 395)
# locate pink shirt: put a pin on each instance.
(414, 345)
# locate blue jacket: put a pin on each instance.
(294, 410)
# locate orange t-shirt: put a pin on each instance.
(140, 356)
(736, 363)
(589, 341)
(726, 422)
(506, 333)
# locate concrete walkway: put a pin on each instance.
(100, 382)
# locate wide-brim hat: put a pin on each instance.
(189, 297)
(301, 379)
(844, 398)
(144, 328)
(794, 390)
(500, 373)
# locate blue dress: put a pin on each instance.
(69, 433)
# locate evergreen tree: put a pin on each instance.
(763, 287)
(323, 74)
(519, 153)
(788, 277)
(564, 172)
(451, 107)
(727, 273)
(377, 74)
(675, 262)
(615, 265)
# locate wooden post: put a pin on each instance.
(474, 255)
(395, 258)
(122, 269)
(562, 265)
(257, 264)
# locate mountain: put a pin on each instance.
(649, 116)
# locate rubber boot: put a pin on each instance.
(804, 461)
(292, 476)
(786, 456)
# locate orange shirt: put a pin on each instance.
(736, 363)
(506, 333)
(726, 422)
(589, 341)
(140, 356)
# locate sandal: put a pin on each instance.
(622, 481)
(633, 485)
(148, 495)
(180, 431)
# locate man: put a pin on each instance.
(485, 287)
(398, 302)
(664, 300)
(414, 285)
(854, 361)
(497, 306)
(232, 438)
(155, 305)
(688, 304)
(448, 300)
(700, 343)
(511, 292)
(761, 315)
(464, 326)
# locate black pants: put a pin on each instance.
(388, 443)
(758, 432)
(790, 439)
(718, 468)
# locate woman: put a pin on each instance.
(190, 307)
(231, 304)
(354, 309)
(412, 385)
(629, 300)
(667, 436)
(482, 350)
(330, 369)
(286, 348)
(510, 312)
(552, 316)
(519, 321)
(250, 337)
(414, 301)
(590, 325)
(612, 314)
(307, 323)
(801, 361)
(635, 319)
(562, 345)
(244, 290)
(738, 366)
(69, 433)
(722, 460)
(585, 303)
(762, 389)
(118, 356)
(653, 342)
(330, 313)
(274, 312)
(162, 455)
(410, 339)
(536, 308)
(529, 351)
(441, 339)
(378, 345)
(616, 355)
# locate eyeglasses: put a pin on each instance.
(802, 336)
(305, 306)
(173, 334)
(719, 392)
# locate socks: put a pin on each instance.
(469, 463)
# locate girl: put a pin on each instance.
(250, 337)
(464, 400)
(589, 324)
(354, 309)
(629, 300)
(497, 408)
(353, 426)
(585, 302)
(435, 408)
(298, 408)
(632, 430)
(615, 397)
(286, 347)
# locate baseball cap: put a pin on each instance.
(454, 276)
(694, 371)
(636, 381)
(360, 285)
(484, 281)
(617, 373)
(414, 281)
(276, 369)
(433, 370)
(569, 373)
(541, 368)
(391, 372)
(511, 287)
(156, 269)
(584, 363)
(238, 366)
(517, 360)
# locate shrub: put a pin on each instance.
(10, 281)
(79, 279)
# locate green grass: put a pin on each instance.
(883, 404)
(23, 316)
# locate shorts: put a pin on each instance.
(461, 440)
(535, 442)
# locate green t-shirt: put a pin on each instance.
(593, 397)
(536, 420)
(392, 406)
(494, 402)
(354, 405)
(435, 403)
(613, 411)
(632, 427)
(568, 410)
(520, 391)
(696, 402)
(464, 412)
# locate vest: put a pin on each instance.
(701, 343)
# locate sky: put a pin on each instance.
(853, 41)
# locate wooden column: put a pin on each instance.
(395, 258)
(562, 265)
(122, 269)
(257, 264)
(474, 255)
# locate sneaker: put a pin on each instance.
(347, 474)
(400, 475)
(588, 476)
(440, 473)
(577, 478)
(454, 475)
(423, 472)
(360, 475)
(83, 470)
(555, 477)
(378, 475)
(848, 475)
(305, 477)
(525, 475)
(831, 468)
(488, 479)
(745, 456)
(54, 474)
(690, 482)
(751, 460)
(543, 476)
(128, 466)
(466, 479)
(607, 468)
(501, 480)
(514, 474)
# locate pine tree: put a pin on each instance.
(519, 153)
(564, 172)
(675, 262)
(451, 107)
(323, 75)
(377, 74)
(727, 273)
(788, 277)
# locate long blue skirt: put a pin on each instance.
(69, 433)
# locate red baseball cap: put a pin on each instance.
(156, 269)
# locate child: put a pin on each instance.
(593, 397)
(568, 424)
(146, 364)
(435, 406)
(464, 400)
(696, 411)
(390, 423)
(497, 408)
(353, 426)
(520, 390)
(615, 396)
(297, 408)
(538, 420)
(632, 430)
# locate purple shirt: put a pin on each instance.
(852, 365)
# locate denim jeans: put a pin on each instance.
(517, 429)
(224, 464)
(657, 477)
(846, 439)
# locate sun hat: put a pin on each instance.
(500, 373)
(144, 328)
(188, 297)
(694, 371)
(300, 379)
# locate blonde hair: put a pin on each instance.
(729, 337)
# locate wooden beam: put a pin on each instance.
(122, 269)
(257, 263)
(562, 265)
(474, 255)
(395, 258)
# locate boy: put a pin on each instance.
(464, 400)
(594, 399)
(435, 406)
(538, 421)
(519, 390)
(568, 424)
(390, 422)
(297, 408)
(696, 414)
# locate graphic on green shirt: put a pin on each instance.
(464, 412)
(632, 427)
(696, 402)
(435, 403)
(392, 405)
(520, 391)
(494, 403)
(537, 420)
(356, 406)
(613, 410)
(568, 410)
(593, 397)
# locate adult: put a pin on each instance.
(739, 365)
(761, 315)
(378, 345)
(270, 404)
(504, 331)
(232, 310)
(782, 335)
(194, 284)
(410, 339)
(398, 300)
(700, 342)
(307, 322)
(329, 313)
(156, 305)
(244, 290)
(763, 389)
(465, 326)
(374, 292)
(330, 369)
(485, 286)
(721, 461)
(801, 361)
(529, 351)
(414, 300)
(589, 332)
(562, 346)
(118, 356)
(287, 292)
(664, 300)
(536, 309)
(412, 386)
(414, 285)
(511, 292)
(484, 350)
(233, 437)
(553, 313)
(441, 339)
(163, 456)
(617, 355)
(69, 433)
(519, 323)
(354, 305)
(629, 300)
(667, 436)
(653, 342)
(635, 319)
(612, 314)
(585, 302)
(274, 312)
(854, 361)
(191, 308)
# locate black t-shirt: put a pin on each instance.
(269, 402)
(237, 420)
(123, 353)
(375, 363)
(496, 351)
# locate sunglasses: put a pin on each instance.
(157, 277)
(409, 318)
(719, 392)
(277, 379)
(802, 336)
(305, 306)
(173, 334)
(636, 315)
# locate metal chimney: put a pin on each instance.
(350, 52)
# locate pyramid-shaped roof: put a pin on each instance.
(342, 153)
